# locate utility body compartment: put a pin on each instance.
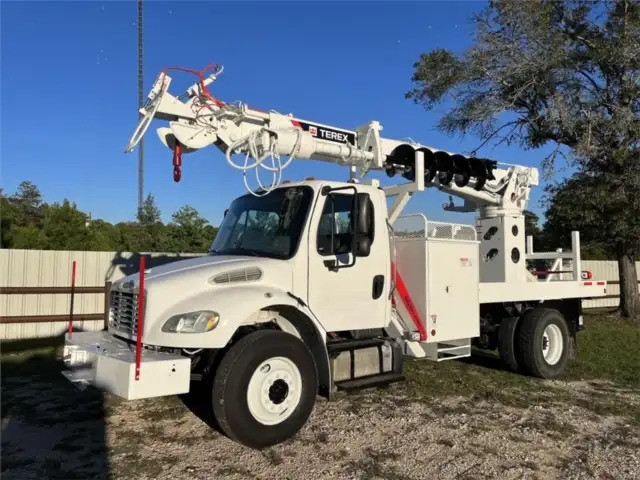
(439, 265)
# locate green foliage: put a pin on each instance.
(565, 72)
(532, 225)
(29, 222)
(149, 212)
(190, 229)
(598, 208)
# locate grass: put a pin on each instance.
(608, 358)
(608, 349)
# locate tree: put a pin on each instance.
(64, 227)
(105, 236)
(149, 212)
(28, 200)
(29, 222)
(599, 210)
(532, 227)
(21, 215)
(189, 230)
(560, 72)
(189, 217)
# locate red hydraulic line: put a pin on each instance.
(73, 287)
(404, 294)
(141, 299)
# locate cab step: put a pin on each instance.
(337, 346)
(370, 381)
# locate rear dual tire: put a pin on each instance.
(542, 343)
(265, 388)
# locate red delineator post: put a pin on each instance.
(73, 287)
(141, 299)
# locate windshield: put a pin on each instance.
(267, 226)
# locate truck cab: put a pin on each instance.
(294, 246)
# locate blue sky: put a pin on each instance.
(69, 90)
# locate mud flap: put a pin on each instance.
(506, 342)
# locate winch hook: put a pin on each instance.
(177, 163)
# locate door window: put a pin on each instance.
(336, 224)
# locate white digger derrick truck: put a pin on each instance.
(315, 286)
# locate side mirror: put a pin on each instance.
(363, 246)
(362, 225)
(362, 214)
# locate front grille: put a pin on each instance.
(123, 312)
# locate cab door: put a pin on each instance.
(344, 295)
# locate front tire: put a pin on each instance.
(543, 343)
(265, 388)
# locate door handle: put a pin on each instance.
(378, 286)
(331, 265)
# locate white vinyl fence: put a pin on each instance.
(48, 268)
(606, 270)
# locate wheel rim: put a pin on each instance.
(552, 344)
(274, 390)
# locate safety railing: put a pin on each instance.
(416, 225)
(558, 271)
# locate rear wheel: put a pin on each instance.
(543, 343)
(265, 388)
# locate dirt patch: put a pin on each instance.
(373, 434)
(467, 419)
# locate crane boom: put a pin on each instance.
(198, 120)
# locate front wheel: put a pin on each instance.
(265, 388)
(543, 343)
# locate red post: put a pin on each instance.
(405, 296)
(73, 287)
(141, 294)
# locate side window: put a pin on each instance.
(335, 223)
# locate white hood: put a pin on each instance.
(201, 284)
(205, 264)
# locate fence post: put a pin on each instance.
(73, 287)
(107, 301)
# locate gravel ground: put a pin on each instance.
(49, 430)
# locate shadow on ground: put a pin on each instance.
(198, 401)
(50, 429)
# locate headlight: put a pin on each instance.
(192, 322)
